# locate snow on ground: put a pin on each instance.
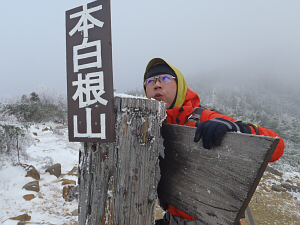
(270, 206)
(294, 178)
(50, 146)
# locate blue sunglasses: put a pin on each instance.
(164, 79)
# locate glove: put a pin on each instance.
(212, 131)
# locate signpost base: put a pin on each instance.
(118, 181)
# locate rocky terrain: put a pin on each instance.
(273, 204)
(34, 191)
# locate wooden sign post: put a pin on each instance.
(213, 185)
(118, 181)
(89, 73)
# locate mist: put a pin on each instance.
(232, 40)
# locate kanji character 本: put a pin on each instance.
(85, 16)
(93, 85)
(84, 25)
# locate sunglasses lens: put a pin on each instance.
(162, 79)
(166, 79)
(150, 81)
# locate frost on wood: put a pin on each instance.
(118, 181)
(213, 185)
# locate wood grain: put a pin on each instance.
(118, 181)
(213, 185)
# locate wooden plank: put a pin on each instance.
(118, 181)
(213, 185)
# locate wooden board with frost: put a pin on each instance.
(118, 181)
(213, 185)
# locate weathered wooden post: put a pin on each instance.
(118, 181)
(118, 164)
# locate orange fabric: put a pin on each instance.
(208, 115)
(180, 114)
(179, 213)
(280, 146)
(191, 101)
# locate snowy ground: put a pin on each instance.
(51, 146)
(275, 207)
(48, 206)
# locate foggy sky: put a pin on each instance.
(234, 39)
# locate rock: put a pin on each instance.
(75, 212)
(278, 188)
(47, 128)
(32, 172)
(273, 171)
(66, 181)
(70, 192)
(29, 197)
(73, 171)
(34, 133)
(21, 223)
(24, 217)
(291, 188)
(32, 186)
(54, 170)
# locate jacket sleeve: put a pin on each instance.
(208, 115)
(280, 147)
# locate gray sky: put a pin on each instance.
(201, 38)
